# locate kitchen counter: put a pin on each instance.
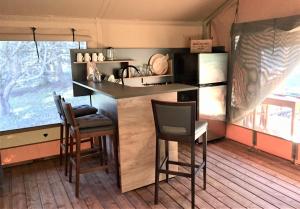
(131, 111)
(118, 91)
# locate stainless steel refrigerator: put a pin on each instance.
(208, 71)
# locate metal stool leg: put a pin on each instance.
(115, 154)
(157, 165)
(204, 144)
(167, 156)
(193, 174)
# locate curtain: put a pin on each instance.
(263, 53)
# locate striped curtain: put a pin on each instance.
(263, 54)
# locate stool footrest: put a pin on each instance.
(176, 173)
(63, 146)
(198, 167)
(182, 164)
(87, 154)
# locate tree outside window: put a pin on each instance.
(27, 83)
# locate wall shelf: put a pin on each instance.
(108, 61)
(125, 56)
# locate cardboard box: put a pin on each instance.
(198, 46)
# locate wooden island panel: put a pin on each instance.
(137, 140)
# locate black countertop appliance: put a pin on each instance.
(208, 71)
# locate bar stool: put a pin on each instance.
(79, 111)
(95, 125)
(176, 121)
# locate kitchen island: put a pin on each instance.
(131, 110)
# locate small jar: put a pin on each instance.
(110, 53)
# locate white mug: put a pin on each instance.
(94, 57)
(101, 57)
(79, 57)
(87, 57)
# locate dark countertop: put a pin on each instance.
(119, 91)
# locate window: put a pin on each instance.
(27, 83)
(265, 70)
(279, 113)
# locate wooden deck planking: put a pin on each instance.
(57, 187)
(251, 176)
(148, 197)
(276, 199)
(276, 167)
(112, 189)
(235, 194)
(213, 191)
(86, 192)
(237, 178)
(175, 195)
(165, 199)
(206, 196)
(5, 188)
(107, 201)
(230, 181)
(46, 195)
(18, 194)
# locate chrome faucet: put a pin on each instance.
(127, 68)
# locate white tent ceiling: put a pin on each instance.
(149, 10)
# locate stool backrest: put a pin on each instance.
(69, 114)
(174, 120)
(57, 101)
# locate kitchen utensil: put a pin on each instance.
(87, 57)
(101, 57)
(94, 57)
(90, 71)
(111, 78)
(97, 76)
(159, 63)
(110, 53)
(153, 57)
(79, 57)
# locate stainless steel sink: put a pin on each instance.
(147, 81)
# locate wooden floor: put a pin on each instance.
(237, 178)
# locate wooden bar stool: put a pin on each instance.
(176, 121)
(79, 111)
(95, 125)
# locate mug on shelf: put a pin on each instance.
(79, 57)
(87, 57)
(101, 57)
(94, 57)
